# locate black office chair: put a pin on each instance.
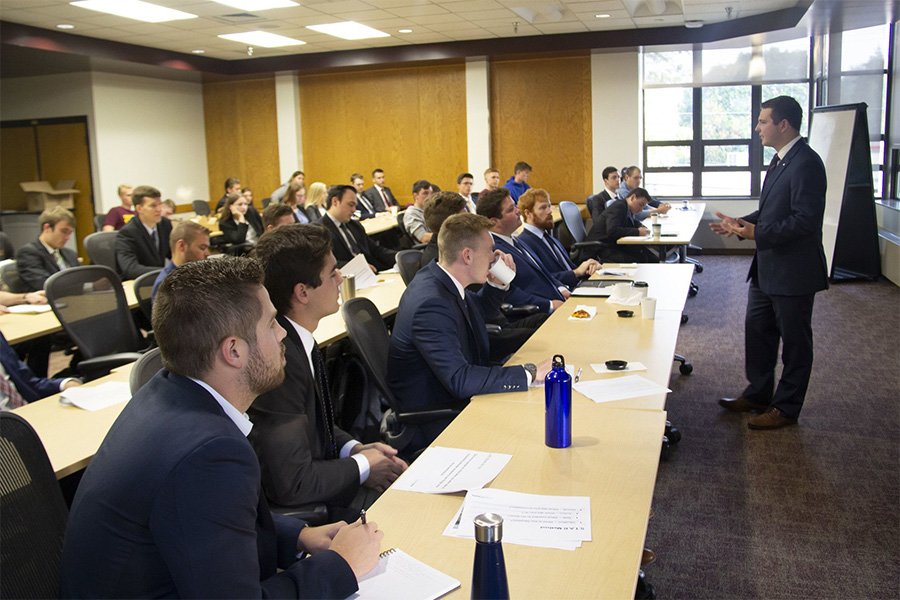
(266, 202)
(408, 263)
(98, 222)
(370, 339)
(101, 248)
(34, 513)
(143, 286)
(9, 274)
(581, 249)
(201, 208)
(144, 369)
(91, 306)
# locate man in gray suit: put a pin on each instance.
(38, 260)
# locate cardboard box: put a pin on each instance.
(41, 195)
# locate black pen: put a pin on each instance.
(362, 516)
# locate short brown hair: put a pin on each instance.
(52, 216)
(458, 232)
(144, 191)
(530, 198)
(440, 206)
(490, 203)
(200, 304)
(274, 212)
(290, 255)
(187, 231)
(122, 187)
(491, 170)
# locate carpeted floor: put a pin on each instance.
(810, 511)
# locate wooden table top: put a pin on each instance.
(682, 223)
(386, 296)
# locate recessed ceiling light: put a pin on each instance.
(404, 30)
(601, 16)
(65, 26)
(262, 38)
(135, 9)
(257, 4)
(198, 51)
(349, 30)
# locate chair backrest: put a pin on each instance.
(101, 248)
(407, 240)
(370, 338)
(591, 202)
(571, 215)
(34, 514)
(143, 286)
(408, 263)
(266, 202)
(201, 207)
(9, 274)
(91, 306)
(144, 369)
(98, 222)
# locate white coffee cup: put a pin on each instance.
(648, 308)
(394, 211)
(622, 289)
(502, 272)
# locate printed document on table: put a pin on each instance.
(363, 276)
(442, 470)
(528, 519)
(620, 388)
(96, 397)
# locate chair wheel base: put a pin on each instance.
(686, 369)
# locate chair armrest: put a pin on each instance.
(313, 514)
(493, 329)
(586, 245)
(426, 416)
(519, 311)
(92, 368)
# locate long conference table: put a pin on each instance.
(678, 228)
(613, 459)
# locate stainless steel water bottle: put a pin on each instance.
(558, 405)
(489, 571)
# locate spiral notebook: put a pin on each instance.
(399, 576)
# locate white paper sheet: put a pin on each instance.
(362, 274)
(399, 576)
(632, 366)
(29, 309)
(97, 397)
(442, 470)
(619, 388)
(528, 519)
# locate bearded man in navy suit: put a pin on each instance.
(787, 270)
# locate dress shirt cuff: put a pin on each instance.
(498, 286)
(361, 461)
(527, 376)
(62, 384)
(347, 448)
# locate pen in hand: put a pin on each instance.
(362, 516)
(577, 375)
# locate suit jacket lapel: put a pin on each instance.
(463, 307)
(772, 178)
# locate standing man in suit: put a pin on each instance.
(143, 244)
(379, 195)
(622, 219)
(787, 270)
(303, 455)
(38, 260)
(464, 182)
(537, 236)
(533, 284)
(596, 204)
(18, 384)
(348, 238)
(171, 505)
(439, 351)
(363, 205)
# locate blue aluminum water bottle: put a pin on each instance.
(489, 571)
(558, 405)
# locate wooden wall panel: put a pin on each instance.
(541, 114)
(411, 122)
(241, 136)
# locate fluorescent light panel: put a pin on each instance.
(263, 39)
(257, 4)
(349, 30)
(135, 9)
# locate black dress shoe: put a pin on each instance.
(741, 404)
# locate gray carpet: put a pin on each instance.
(809, 511)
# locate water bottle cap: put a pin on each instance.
(488, 528)
(559, 362)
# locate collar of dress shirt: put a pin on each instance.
(241, 420)
(150, 230)
(51, 250)
(506, 238)
(787, 148)
(308, 340)
(459, 286)
(333, 220)
(612, 193)
(535, 230)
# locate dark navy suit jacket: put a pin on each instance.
(789, 259)
(439, 352)
(30, 386)
(135, 252)
(559, 267)
(35, 265)
(532, 285)
(171, 507)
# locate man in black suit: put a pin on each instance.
(143, 244)
(464, 182)
(620, 219)
(787, 270)
(596, 204)
(348, 238)
(380, 195)
(439, 351)
(363, 204)
(304, 456)
(38, 260)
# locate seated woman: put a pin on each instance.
(295, 197)
(315, 201)
(236, 228)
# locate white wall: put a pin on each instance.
(287, 111)
(45, 97)
(148, 131)
(616, 116)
